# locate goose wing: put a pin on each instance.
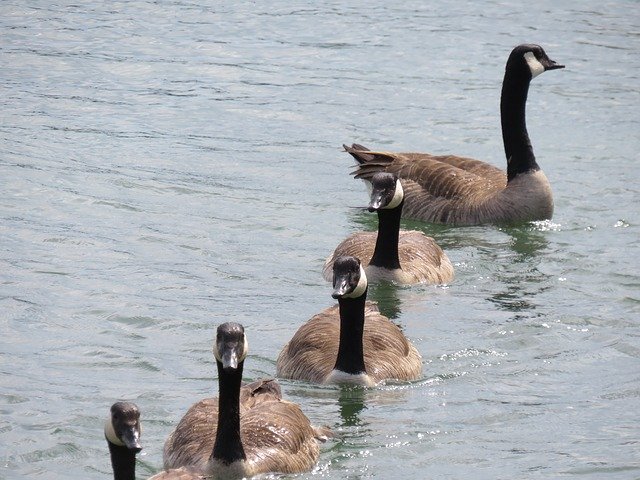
(431, 176)
(359, 245)
(388, 354)
(423, 259)
(260, 391)
(278, 437)
(191, 442)
(311, 353)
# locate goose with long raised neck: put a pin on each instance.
(456, 190)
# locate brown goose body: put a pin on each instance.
(311, 354)
(265, 419)
(245, 431)
(392, 254)
(421, 259)
(456, 190)
(460, 191)
(351, 342)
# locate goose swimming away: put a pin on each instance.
(456, 190)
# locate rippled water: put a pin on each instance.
(167, 166)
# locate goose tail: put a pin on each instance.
(369, 162)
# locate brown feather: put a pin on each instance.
(276, 435)
(178, 474)
(311, 353)
(458, 190)
(421, 259)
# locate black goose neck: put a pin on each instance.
(123, 462)
(350, 352)
(228, 444)
(385, 253)
(517, 145)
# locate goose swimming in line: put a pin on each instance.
(246, 430)
(122, 431)
(402, 256)
(351, 342)
(462, 191)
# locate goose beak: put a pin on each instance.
(230, 359)
(341, 286)
(131, 439)
(376, 202)
(551, 65)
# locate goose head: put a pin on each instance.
(349, 279)
(231, 346)
(123, 426)
(531, 60)
(386, 192)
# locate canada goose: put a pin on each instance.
(403, 256)
(351, 342)
(463, 191)
(122, 431)
(246, 430)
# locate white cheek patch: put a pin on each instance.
(110, 433)
(361, 287)
(246, 348)
(398, 195)
(534, 64)
(216, 353)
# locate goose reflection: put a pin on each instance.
(386, 296)
(520, 277)
(351, 402)
(528, 240)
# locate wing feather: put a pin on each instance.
(421, 258)
(312, 352)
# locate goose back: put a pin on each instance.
(421, 259)
(276, 436)
(311, 354)
(459, 190)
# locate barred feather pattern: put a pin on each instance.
(458, 190)
(311, 354)
(421, 259)
(179, 474)
(276, 436)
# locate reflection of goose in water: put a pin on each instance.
(519, 277)
(385, 295)
(528, 240)
(351, 402)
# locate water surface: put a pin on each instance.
(168, 166)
